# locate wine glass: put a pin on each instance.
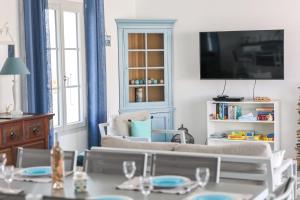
(202, 176)
(146, 185)
(8, 173)
(129, 169)
(3, 161)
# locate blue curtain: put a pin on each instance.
(37, 57)
(96, 68)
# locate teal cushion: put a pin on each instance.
(141, 128)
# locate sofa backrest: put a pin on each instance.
(117, 142)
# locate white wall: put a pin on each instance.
(8, 13)
(190, 93)
(207, 15)
(114, 9)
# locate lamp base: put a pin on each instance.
(16, 113)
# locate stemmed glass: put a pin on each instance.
(129, 169)
(146, 185)
(202, 176)
(8, 173)
(3, 161)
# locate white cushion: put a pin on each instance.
(117, 142)
(120, 126)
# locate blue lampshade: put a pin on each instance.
(13, 66)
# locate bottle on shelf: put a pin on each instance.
(57, 165)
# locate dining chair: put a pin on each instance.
(12, 196)
(111, 161)
(184, 165)
(285, 191)
(42, 157)
(60, 198)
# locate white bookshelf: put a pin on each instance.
(247, 106)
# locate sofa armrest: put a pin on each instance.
(180, 132)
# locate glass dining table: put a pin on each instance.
(105, 184)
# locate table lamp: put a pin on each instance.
(14, 66)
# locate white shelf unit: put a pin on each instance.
(224, 126)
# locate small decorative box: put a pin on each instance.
(80, 182)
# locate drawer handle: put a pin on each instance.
(35, 130)
(12, 135)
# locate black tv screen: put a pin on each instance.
(242, 54)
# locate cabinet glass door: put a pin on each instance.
(146, 67)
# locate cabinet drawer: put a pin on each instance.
(34, 128)
(12, 133)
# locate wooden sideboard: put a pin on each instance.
(29, 131)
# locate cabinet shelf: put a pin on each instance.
(143, 68)
(240, 121)
(149, 85)
(227, 140)
(144, 50)
(220, 127)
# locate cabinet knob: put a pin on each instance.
(35, 130)
(12, 135)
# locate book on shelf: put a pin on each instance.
(224, 111)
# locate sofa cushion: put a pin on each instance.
(141, 128)
(259, 149)
(114, 142)
(120, 126)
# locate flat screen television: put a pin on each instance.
(253, 55)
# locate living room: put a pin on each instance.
(188, 91)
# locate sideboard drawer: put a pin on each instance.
(12, 133)
(34, 128)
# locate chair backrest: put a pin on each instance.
(184, 165)
(42, 157)
(60, 198)
(111, 161)
(286, 190)
(12, 196)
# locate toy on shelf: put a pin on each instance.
(262, 99)
(250, 135)
(265, 114)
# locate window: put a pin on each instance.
(66, 48)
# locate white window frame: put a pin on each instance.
(60, 6)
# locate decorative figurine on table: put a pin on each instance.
(161, 81)
(132, 82)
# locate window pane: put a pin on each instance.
(70, 30)
(53, 54)
(55, 107)
(71, 67)
(52, 28)
(72, 97)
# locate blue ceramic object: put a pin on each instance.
(212, 197)
(111, 197)
(169, 181)
(37, 171)
(137, 82)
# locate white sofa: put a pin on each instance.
(252, 161)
